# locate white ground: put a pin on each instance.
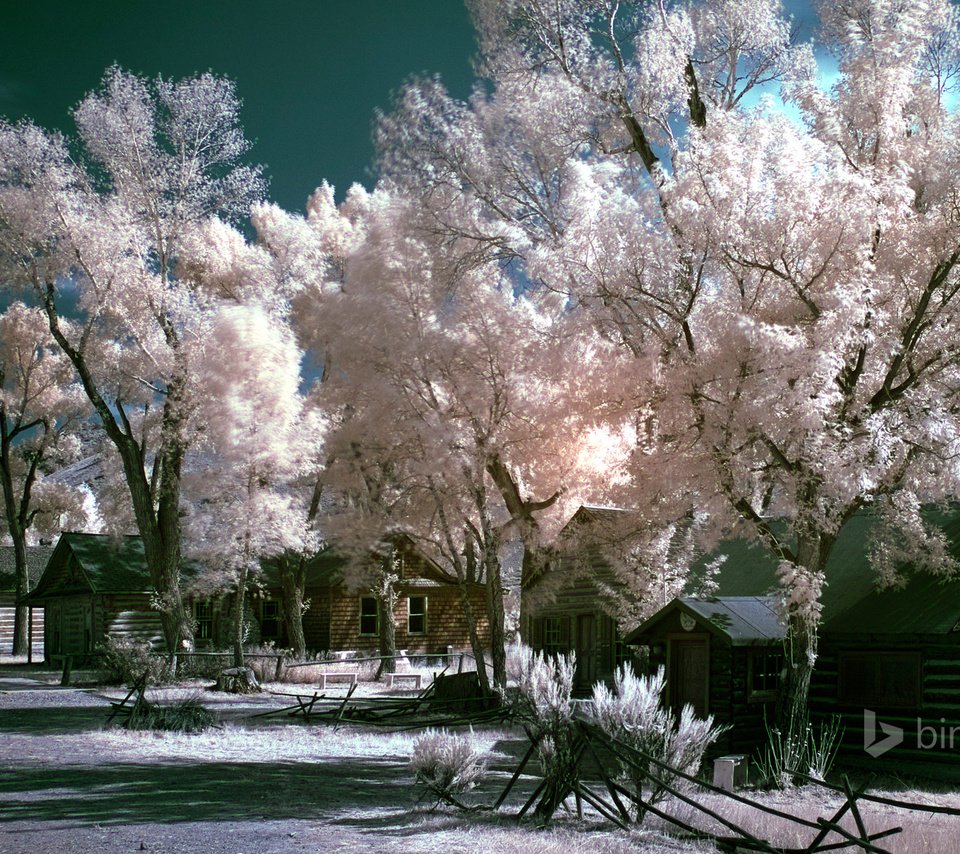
(69, 783)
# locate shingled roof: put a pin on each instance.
(740, 620)
(100, 563)
(37, 557)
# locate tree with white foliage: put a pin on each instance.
(785, 295)
(98, 230)
(250, 414)
(41, 406)
(457, 389)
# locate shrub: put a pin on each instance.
(125, 660)
(187, 715)
(544, 685)
(447, 765)
(633, 713)
(202, 666)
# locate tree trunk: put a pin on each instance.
(16, 508)
(239, 621)
(21, 614)
(800, 651)
(495, 613)
(388, 632)
(157, 513)
(479, 653)
(292, 583)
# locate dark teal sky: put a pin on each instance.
(310, 73)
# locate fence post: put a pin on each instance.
(67, 670)
(279, 669)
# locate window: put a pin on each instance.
(203, 614)
(417, 615)
(556, 635)
(880, 680)
(269, 620)
(369, 616)
(763, 673)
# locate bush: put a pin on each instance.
(633, 713)
(544, 686)
(125, 660)
(202, 666)
(447, 765)
(188, 715)
(801, 749)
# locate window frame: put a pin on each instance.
(275, 618)
(768, 692)
(555, 634)
(204, 619)
(411, 615)
(361, 615)
(887, 660)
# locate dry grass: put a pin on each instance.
(923, 833)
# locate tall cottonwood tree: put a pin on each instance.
(784, 293)
(95, 229)
(469, 398)
(249, 450)
(41, 406)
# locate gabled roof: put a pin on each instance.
(327, 567)
(740, 620)
(37, 557)
(97, 563)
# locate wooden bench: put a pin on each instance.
(416, 677)
(351, 675)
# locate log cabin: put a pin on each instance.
(94, 586)
(576, 602)
(886, 656)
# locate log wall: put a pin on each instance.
(931, 730)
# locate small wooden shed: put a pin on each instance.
(723, 656)
(95, 585)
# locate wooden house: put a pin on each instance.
(576, 603)
(888, 657)
(95, 585)
(429, 612)
(893, 660)
(37, 557)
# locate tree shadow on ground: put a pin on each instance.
(54, 720)
(225, 791)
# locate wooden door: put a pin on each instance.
(586, 653)
(689, 674)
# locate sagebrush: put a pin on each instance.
(187, 715)
(634, 714)
(543, 702)
(126, 660)
(447, 765)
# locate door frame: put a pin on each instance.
(672, 639)
(586, 674)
